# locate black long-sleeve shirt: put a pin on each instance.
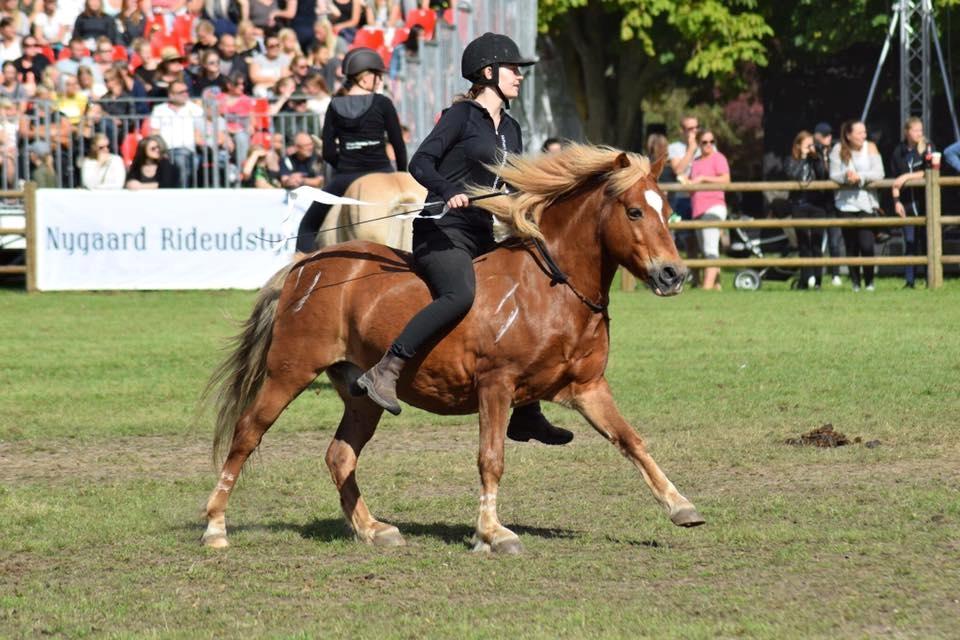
(93, 26)
(906, 159)
(353, 140)
(806, 170)
(455, 154)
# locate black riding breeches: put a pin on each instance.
(317, 213)
(859, 242)
(809, 242)
(445, 262)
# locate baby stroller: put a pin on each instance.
(749, 243)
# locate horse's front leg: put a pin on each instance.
(595, 403)
(494, 412)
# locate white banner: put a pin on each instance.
(165, 239)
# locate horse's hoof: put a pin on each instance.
(687, 517)
(479, 546)
(509, 546)
(215, 541)
(389, 537)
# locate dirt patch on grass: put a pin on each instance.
(826, 437)
(173, 457)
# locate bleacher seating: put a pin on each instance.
(425, 18)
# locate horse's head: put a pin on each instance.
(634, 232)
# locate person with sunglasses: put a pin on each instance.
(100, 169)
(267, 68)
(711, 167)
(473, 134)
(151, 169)
(31, 64)
(357, 125)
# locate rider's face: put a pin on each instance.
(510, 79)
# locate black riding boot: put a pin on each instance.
(380, 382)
(529, 423)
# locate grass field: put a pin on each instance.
(104, 468)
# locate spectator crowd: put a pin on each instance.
(182, 93)
(851, 160)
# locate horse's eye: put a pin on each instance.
(634, 213)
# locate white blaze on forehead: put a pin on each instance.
(655, 201)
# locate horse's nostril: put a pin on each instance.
(669, 276)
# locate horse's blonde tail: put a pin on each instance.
(237, 380)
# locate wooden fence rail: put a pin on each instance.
(934, 222)
(28, 231)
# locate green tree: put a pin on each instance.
(617, 52)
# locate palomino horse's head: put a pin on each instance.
(634, 231)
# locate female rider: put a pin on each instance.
(473, 133)
(353, 135)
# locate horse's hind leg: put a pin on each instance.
(359, 421)
(596, 404)
(270, 402)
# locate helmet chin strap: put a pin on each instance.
(494, 83)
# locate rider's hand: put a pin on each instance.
(900, 209)
(457, 201)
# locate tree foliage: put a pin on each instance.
(620, 52)
(617, 51)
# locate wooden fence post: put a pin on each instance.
(30, 233)
(934, 229)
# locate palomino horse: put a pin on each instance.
(526, 338)
(396, 191)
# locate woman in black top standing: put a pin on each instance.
(805, 165)
(473, 133)
(910, 158)
(353, 135)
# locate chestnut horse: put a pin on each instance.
(527, 337)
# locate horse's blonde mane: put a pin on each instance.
(543, 179)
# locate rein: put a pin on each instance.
(424, 207)
(557, 276)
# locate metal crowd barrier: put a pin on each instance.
(48, 146)
(427, 84)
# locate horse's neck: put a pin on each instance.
(571, 231)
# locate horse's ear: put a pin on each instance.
(657, 167)
(622, 161)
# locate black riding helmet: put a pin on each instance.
(361, 59)
(491, 50)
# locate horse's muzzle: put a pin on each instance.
(668, 279)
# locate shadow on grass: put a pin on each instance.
(333, 529)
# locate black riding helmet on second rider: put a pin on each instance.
(359, 60)
(491, 50)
